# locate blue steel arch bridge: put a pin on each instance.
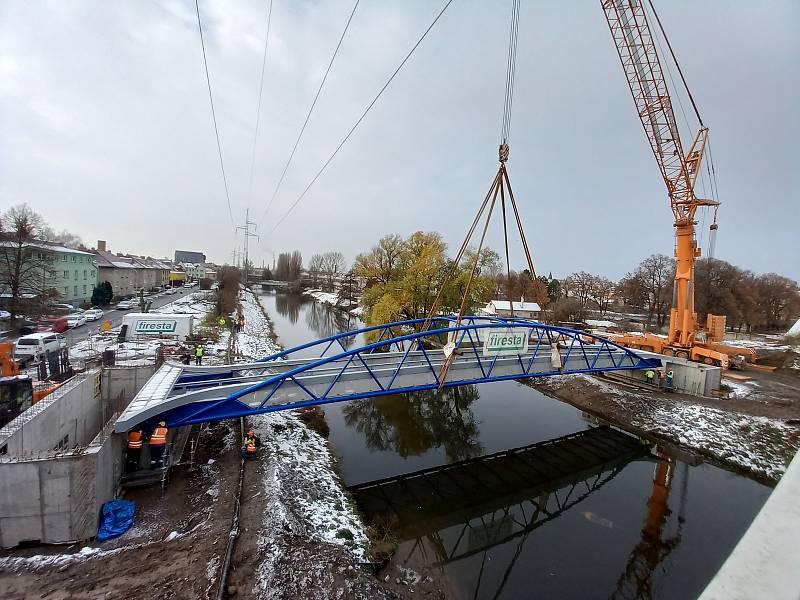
(398, 357)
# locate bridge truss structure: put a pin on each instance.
(379, 360)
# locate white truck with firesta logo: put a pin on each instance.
(171, 326)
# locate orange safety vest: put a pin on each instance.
(159, 437)
(135, 440)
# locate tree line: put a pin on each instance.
(403, 276)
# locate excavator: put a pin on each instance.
(641, 63)
(17, 390)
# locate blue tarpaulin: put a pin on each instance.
(115, 519)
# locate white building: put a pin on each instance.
(523, 310)
(194, 271)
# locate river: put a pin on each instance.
(565, 526)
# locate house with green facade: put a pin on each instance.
(43, 270)
(73, 274)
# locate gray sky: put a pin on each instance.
(105, 126)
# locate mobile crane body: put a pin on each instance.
(627, 21)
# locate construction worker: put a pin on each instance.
(668, 380)
(199, 351)
(134, 450)
(650, 375)
(158, 442)
(660, 378)
(250, 444)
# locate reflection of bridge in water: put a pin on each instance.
(498, 497)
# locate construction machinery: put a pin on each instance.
(641, 63)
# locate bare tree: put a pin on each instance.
(349, 290)
(315, 269)
(602, 293)
(381, 263)
(332, 264)
(25, 265)
(63, 238)
(649, 286)
(579, 286)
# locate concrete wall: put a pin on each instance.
(50, 496)
(58, 499)
(119, 385)
(71, 416)
(689, 377)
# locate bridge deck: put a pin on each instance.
(396, 363)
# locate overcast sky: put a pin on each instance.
(105, 126)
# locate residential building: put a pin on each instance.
(185, 256)
(194, 271)
(129, 274)
(70, 273)
(523, 310)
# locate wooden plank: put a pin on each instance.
(737, 376)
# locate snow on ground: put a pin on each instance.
(753, 443)
(142, 351)
(332, 299)
(738, 389)
(304, 496)
(719, 433)
(600, 323)
(254, 340)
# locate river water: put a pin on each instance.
(632, 527)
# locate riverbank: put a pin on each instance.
(751, 436)
(303, 538)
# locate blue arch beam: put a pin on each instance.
(403, 358)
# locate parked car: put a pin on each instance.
(62, 308)
(76, 320)
(94, 313)
(4, 314)
(29, 347)
(126, 305)
(52, 323)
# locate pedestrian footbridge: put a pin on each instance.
(387, 359)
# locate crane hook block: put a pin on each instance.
(504, 150)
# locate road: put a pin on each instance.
(115, 316)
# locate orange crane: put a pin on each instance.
(636, 46)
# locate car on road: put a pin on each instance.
(126, 305)
(75, 320)
(93, 314)
(52, 323)
(4, 314)
(29, 347)
(170, 291)
(62, 308)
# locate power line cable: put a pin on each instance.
(363, 115)
(310, 110)
(214, 116)
(258, 109)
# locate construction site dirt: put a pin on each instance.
(177, 546)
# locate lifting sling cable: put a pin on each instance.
(500, 186)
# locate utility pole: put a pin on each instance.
(247, 236)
